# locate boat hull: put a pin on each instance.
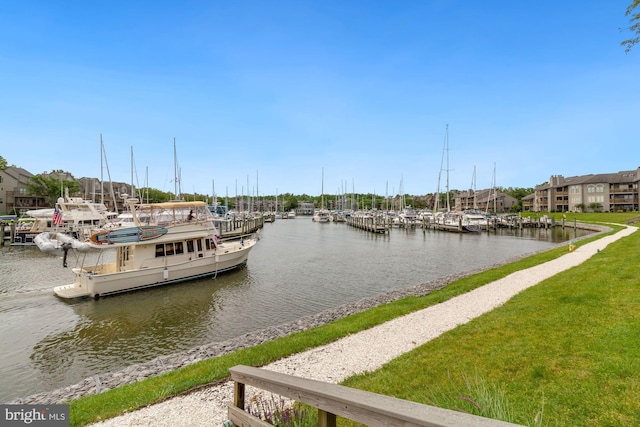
(101, 281)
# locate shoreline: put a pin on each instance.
(98, 383)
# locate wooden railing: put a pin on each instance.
(333, 400)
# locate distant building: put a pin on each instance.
(609, 192)
(488, 200)
(13, 192)
(112, 195)
(527, 203)
(15, 200)
(305, 208)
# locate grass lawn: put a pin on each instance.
(564, 352)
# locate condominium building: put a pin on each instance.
(608, 192)
(487, 200)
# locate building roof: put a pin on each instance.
(17, 173)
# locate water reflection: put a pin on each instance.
(127, 329)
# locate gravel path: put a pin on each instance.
(365, 351)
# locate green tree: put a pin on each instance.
(153, 195)
(634, 27)
(3, 163)
(51, 188)
(595, 207)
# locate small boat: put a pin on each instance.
(321, 215)
(407, 216)
(129, 234)
(475, 219)
(454, 221)
(50, 241)
(178, 241)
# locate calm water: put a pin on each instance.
(298, 268)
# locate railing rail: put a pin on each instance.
(333, 400)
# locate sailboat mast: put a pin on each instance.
(447, 148)
(214, 196)
(101, 173)
(146, 182)
(495, 192)
(473, 186)
(175, 170)
(322, 190)
(133, 191)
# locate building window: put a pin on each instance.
(600, 188)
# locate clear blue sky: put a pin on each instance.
(262, 96)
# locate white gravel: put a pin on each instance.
(365, 351)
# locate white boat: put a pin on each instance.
(454, 221)
(474, 218)
(78, 218)
(425, 216)
(167, 247)
(321, 215)
(291, 214)
(407, 216)
(50, 241)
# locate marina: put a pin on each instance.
(297, 269)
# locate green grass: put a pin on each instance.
(564, 352)
(114, 402)
(607, 217)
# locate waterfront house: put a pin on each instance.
(608, 192)
(13, 192)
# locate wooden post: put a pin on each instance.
(326, 419)
(238, 395)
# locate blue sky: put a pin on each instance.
(263, 96)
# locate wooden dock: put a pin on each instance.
(230, 228)
(368, 223)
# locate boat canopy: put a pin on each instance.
(169, 212)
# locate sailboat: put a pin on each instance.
(322, 214)
(473, 216)
(448, 220)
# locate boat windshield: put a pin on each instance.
(171, 213)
